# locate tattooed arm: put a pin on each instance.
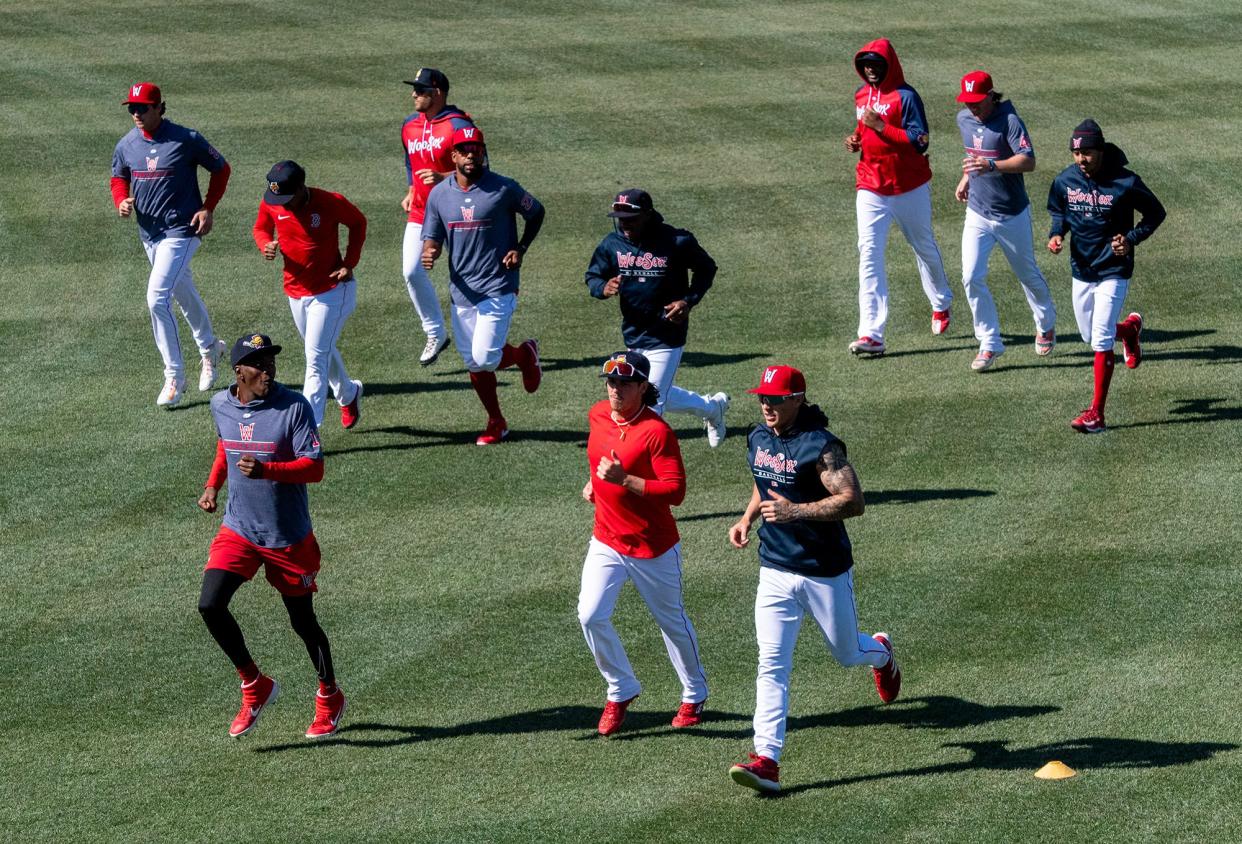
(844, 499)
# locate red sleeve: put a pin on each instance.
(215, 187)
(120, 190)
(669, 485)
(895, 135)
(264, 230)
(219, 468)
(356, 222)
(304, 470)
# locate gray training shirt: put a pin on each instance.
(996, 196)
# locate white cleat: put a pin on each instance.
(211, 366)
(170, 396)
(432, 350)
(716, 428)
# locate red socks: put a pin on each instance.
(484, 384)
(1103, 375)
(248, 673)
(327, 689)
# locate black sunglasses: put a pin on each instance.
(422, 89)
(139, 108)
(776, 401)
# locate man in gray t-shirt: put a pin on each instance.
(998, 152)
(474, 212)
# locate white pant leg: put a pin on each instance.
(830, 601)
(658, 581)
(604, 572)
(480, 331)
(418, 283)
(1097, 307)
(977, 242)
(683, 401)
(170, 280)
(1014, 236)
(912, 211)
(874, 221)
(320, 319)
(664, 363)
(778, 615)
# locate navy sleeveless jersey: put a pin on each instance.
(789, 465)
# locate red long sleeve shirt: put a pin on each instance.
(310, 240)
(636, 525)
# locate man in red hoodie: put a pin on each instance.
(893, 177)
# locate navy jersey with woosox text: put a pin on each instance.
(163, 175)
(789, 465)
(278, 428)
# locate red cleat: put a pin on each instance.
(888, 678)
(613, 715)
(494, 433)
(689, 715)
(532, 373)
(1089, 421)
(352, 412)
(940, 322)
(760, 773)
(255, 696)
(867, 346)
(1131, 351)
(328, 712)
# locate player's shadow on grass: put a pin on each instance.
(405, 388)
(593, 362)
(1185, 411)
(1082, 754)
(931, 350)
(430, 438)
(883, 496)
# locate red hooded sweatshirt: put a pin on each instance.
(893, 161)
(425, 142)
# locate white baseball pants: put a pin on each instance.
(979, 235)
(658, 581)
(674, 399)
(418, 282)
(171, 280)
(320, 319)
(876, 215)
(780, 603)
(481, 331)
(1097, 307)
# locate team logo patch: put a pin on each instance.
(136, 91)
(315, 221)
(528, 202)
(153, 163)
(769, 374)
(255, 342)
(969, 86)
(1077, 143)
(247, 431)
(274, 187)
(467, 214)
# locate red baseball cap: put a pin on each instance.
(467, 135)
(146, 93)
(976, 87)
(780, 381)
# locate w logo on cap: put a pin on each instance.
(968, 85)
(468, 134)
(1077, 143)
(136, 90)
(769, 374)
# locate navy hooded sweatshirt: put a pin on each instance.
(1093, 210)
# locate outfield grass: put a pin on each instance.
(1052, 596)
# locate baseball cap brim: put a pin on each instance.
(626, 215)
(973, 98)
(277, 198)
(270, 350)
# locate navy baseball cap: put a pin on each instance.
(250, 345)
(429, 77)
(630, 203)
(284, 181)
(627, 366)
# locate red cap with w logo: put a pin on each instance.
(146, 93)
(976, 87)
(467, 135)
(780, 381)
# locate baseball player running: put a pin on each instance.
(804, 488)
(474, 213)
(1095, 199)
(425, 139)
(998, 152)
(155, 178)
(893, 186)
(637, 475)
(659, 273)
(268, 449)
(303, 224)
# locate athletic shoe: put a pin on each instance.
(495, 432)
(352, 412)
(1044, 341)
(984, 360)
(689, 715)
(613, 715)
(867, 346)
(888, 678)
(760, 773)
(532, 373)
(328, 712)
(211, 362)
(1089, 421)
(170, 395)
(431, 351)
(1130, 349)
(255, 696)
(940, 321)
(716, 428)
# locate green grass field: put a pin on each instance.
(1052, 596)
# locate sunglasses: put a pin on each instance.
(776, 401)
(626, 206)
(139, 108)
(421, 90)
(620, 369)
